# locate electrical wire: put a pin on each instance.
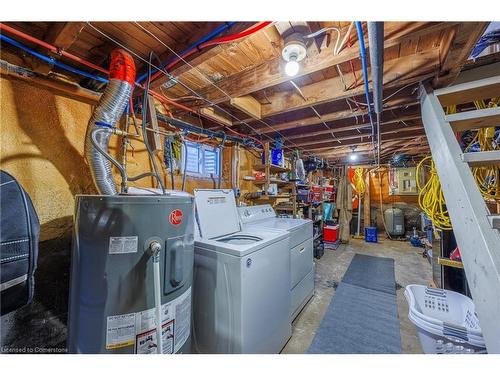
(226, 39)
(161, 98)
(211, 83)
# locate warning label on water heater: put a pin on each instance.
(123, 245)
(120, 331)
(140, 328)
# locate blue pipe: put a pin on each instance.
(50, 60)
(206, 38)
(362, 52)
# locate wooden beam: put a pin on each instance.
(60, 34)
(272, 72)
(465, 39)
(64, 34)
(355, 136)
(352, 127)
(63, 88)
(325, 150)
(208, 53)
(216, 115)
(338, 115)
(249, 105)
(397, 73)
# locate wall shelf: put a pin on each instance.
(272, 168)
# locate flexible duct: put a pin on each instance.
(107, 112)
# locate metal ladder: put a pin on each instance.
(476, 230)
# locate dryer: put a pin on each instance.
(241, 293)
(300, 245)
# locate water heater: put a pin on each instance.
(131, 268)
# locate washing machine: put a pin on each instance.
(301, 249)
(241, 293)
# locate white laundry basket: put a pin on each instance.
(446, 321)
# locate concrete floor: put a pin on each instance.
(410, 267)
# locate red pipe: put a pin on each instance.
(226, 39)
(119, 71)
(231, 38)
(51, 48)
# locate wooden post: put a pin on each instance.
(367, 203)
(267, 168)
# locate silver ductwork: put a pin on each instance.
(106, 114)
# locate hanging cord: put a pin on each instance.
(185, 164)
(171, 161)
(221, 148)
(487, 177)
(430, 198)
(144, 118)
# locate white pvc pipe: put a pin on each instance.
(359, 214)
(157, 292)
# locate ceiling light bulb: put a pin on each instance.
(353, 156)
(292, 68)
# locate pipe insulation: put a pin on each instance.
(106, 114)
(376, 44)
(376, 50)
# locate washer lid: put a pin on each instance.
(216, 212)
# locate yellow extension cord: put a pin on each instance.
(487, 177)
(431, 199)
(359, 181)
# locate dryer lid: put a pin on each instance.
(216, 212)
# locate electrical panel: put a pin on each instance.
(403, 181)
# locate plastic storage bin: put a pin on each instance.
(331, 233)
(446, 321)
(371, 234)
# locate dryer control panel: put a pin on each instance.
(249, 214)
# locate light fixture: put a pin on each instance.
(293, 52)
(292, 68)
(353, 156)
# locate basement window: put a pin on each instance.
(202, 160)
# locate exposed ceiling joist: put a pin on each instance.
(326, 150)
(318, 144)
(271, 73)
(397, 73)
(392, 104)
(365, 125)
(466, 36)
(62, 35)
(248, 105)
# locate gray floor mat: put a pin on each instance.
(371, 272)
(359, 321)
